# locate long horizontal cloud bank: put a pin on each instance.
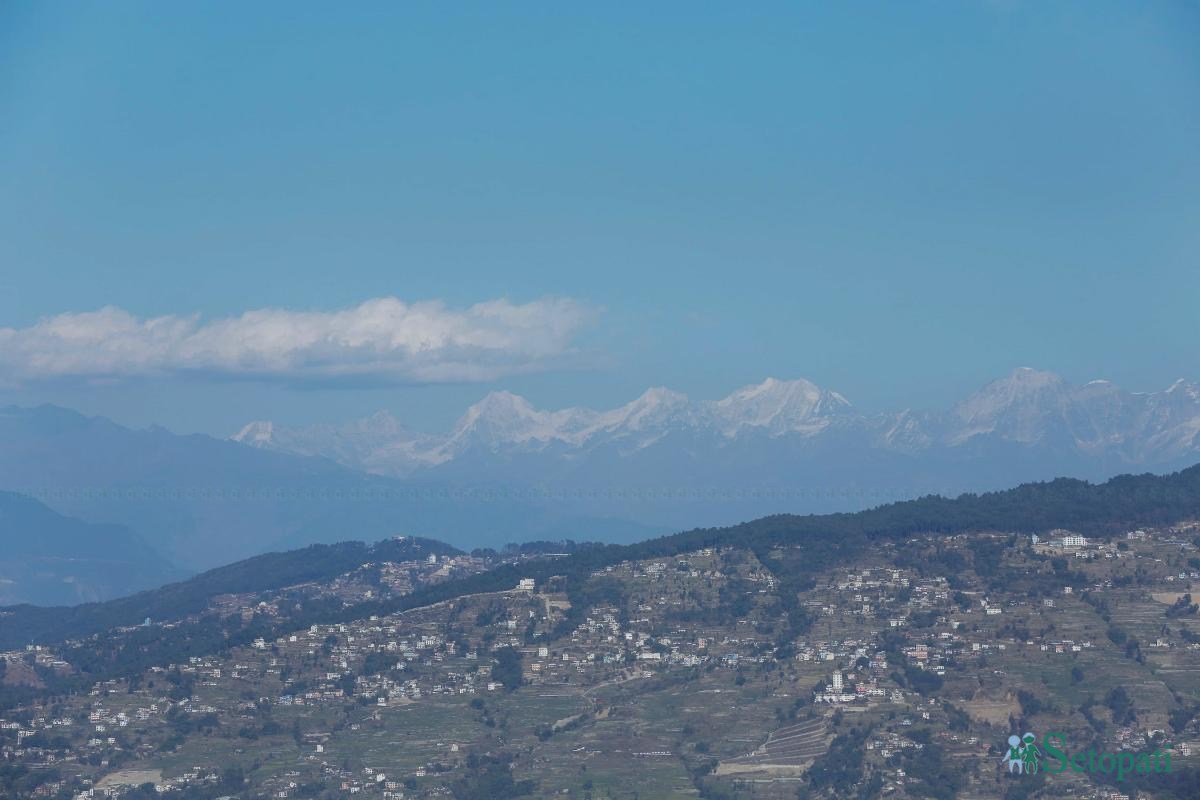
(383, 339)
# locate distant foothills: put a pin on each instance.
(824, 542)
(175, 504)
(939, 618)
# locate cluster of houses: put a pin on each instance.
(451, 649)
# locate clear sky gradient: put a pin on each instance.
(899, 201)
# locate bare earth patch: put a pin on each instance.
(131, 777)
(995, 712)
(18, 673)
(727, 768)
(1169, 598)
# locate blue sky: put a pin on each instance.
(899, 201)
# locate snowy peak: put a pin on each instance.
(497, 410)
(1187, 390)
(653, 409)
(907, 431)
(378, 443)
(259, 433)
(264, 433)
(656, 400)
(1170, 420)
(1031, 407)
(1015, 408)
(781, 407)
(503, 417)
(1022, 387)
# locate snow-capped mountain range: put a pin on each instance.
(507, 471)
(777, 423)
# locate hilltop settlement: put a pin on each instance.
(899, 670)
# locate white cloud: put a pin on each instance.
(381, 340)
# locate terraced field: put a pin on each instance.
(792, 747)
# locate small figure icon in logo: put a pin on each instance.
(1030, 754)
(1023, 756)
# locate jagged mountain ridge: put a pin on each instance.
(1028, 409)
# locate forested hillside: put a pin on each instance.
(1093, 509)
